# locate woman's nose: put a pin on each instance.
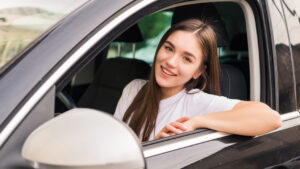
(172, 61)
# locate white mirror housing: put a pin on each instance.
(84, 138)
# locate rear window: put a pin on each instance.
(21, 22)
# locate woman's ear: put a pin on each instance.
(199, 72)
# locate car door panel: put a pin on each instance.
(235, 151)
(10, 152)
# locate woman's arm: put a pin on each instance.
(246, 118)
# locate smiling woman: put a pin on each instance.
(174, 99)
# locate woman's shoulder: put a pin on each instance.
(135, 85)
(208, 103)
(139, 82)
(128, 94)
(200, 93)
(197, 95)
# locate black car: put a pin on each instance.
(60, 56)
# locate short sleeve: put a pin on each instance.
(203, 103)
(221, 103)
(128, 94)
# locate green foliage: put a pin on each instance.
(152, 25)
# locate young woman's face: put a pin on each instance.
(178, 60)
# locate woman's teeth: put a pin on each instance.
(167, 72)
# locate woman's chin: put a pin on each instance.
(164, 84)
(167, 84)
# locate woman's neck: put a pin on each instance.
(168, 92)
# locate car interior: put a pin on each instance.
(100, 83)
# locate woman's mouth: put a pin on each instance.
(166, 71)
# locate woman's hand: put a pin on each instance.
(179, 126)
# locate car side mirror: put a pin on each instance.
(83, 138)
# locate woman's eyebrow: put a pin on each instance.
(188, 53)
(185, 52)
(171, 44)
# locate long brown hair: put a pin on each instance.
(143, 111)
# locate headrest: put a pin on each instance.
(239, 42)
(131, 35)
(117, 72)
(233, 82)
(207, 13)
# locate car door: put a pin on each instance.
(28, 84)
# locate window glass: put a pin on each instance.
(234, 21)
(152, 29)
(287, 96)
(21, 22)
(292, 12)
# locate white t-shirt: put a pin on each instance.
(183, 104)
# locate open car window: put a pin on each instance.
(99, 85)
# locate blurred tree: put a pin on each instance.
(152, 25)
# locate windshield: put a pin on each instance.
(21, 22)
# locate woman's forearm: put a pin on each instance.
(246, 118)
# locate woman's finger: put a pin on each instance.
(161, 135)
(170, 128)
(179, 125)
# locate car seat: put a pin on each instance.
(240, 60)
(233, 84)
(207, 13)
(113, 75)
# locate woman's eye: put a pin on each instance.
(187, 59)
(168, 48)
